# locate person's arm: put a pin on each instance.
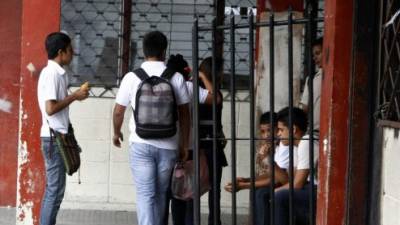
(118, 118)
(300, 179)
(55, 106)
(281, 176)
(240, 181)
(184, 128)
(208, 85)
(122, 101)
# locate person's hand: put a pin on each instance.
(239, 184)
(81, 94)
(117, 139)
(242, 179)
(228, 187)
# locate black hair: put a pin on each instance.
(56, 41)
(206, 67)
(178, 64)
(265, 118)
(154, 44)
(319, 41)
(299, 118)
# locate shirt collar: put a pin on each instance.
(150, 64)
(56, 66)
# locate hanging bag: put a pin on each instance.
(183, 179)
(69, 149)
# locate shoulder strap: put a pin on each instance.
(168, 73)
(141, 74)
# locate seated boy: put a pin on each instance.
(263, 177)
(301, 177)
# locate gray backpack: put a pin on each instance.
(155, 107)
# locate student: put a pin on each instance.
(300, 180)
(263, 181)
(317, 57)
(206, 131)
(152, 159)
(182, 211)
(54, 104)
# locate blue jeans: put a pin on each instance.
(55, 182)
(151, 168)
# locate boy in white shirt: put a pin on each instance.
(54, 104)
(301, 176)
(152, 159)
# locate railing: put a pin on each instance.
(309, 22)
(389, 65)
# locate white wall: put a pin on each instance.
(390, 198)
(105, 174)
(281, 56)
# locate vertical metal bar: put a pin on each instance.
(219, 10)
(381, 51)
(233, 115)
(196, 141)
(214, 115)
(124, 39)
(271, 110)
(291, 141)
(251, 88)
(311, 12)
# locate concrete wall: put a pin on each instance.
(106, 181)
(281, 72)
(390, 196)
(10, 58)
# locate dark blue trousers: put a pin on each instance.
(301, 206)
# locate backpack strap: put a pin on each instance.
(141, 74)
(168, 73)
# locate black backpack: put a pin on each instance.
(155, 107)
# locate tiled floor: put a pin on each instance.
(98, 217)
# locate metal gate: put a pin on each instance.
(309, 21)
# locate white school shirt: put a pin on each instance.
(127, 95)
(303, 154)
(317, 97)
(281, 156)
(52, 85)
(202, 98)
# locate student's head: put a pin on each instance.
(155, 45)
(299, 120)
(58, 47)
(206, 68)
(317, 51)
(178, 64)
(265, 124)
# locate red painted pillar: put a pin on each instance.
(10, 57)
(39, 18)
(334, 139)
